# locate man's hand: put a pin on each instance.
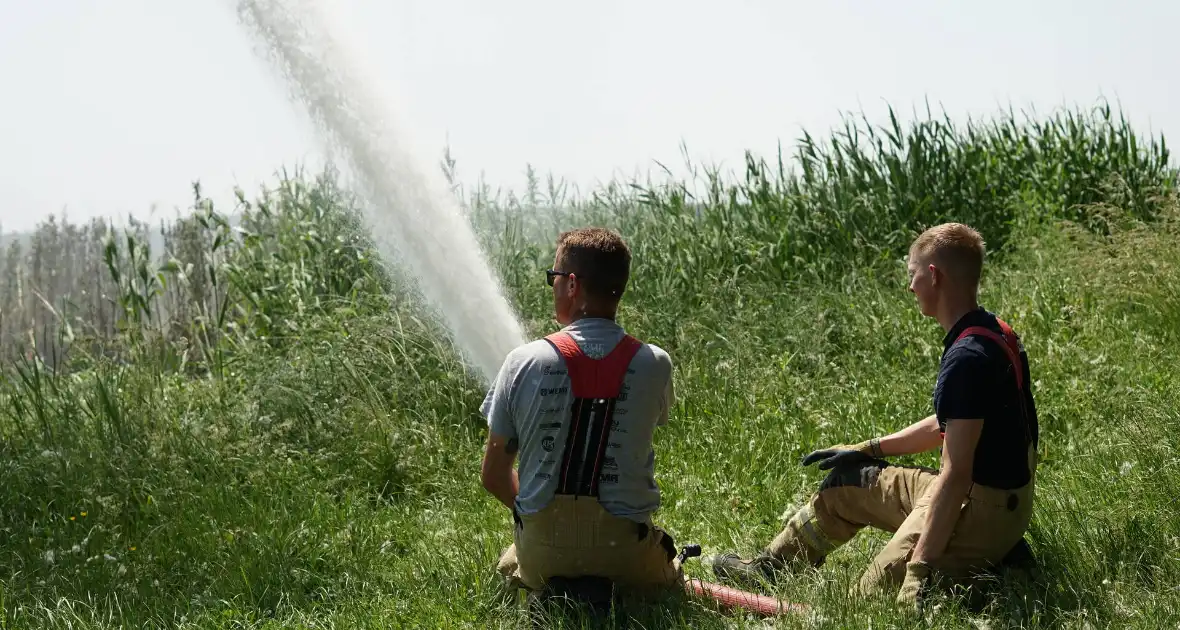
(842, 455)
(497, 473)
(915, 586)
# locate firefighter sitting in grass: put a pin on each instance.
(974, 510)
(580, 408)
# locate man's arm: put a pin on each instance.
(962, 399)
(497, 472)
(919, 437)
(949, 490)
(668, 395)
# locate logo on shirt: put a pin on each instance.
(608, 478)
(547, 443)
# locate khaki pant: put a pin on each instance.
(896, 499)
(575, 537)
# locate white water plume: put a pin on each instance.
(413, 216)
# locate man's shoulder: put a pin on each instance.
(653, 350)
(652, 356)
(535, 353)
(966, 353)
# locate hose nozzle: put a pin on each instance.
(688, 551)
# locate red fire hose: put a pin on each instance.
(734, 598)
(729, 597)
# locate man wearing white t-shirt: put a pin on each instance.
(580, 408)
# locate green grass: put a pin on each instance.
(308, 456)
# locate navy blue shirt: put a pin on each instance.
(975, 380)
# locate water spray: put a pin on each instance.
(414, 218)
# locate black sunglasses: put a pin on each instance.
(551, 274)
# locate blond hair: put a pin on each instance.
(599, 257)
(958, 248)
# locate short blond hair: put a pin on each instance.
(599, 257)
(958, 248)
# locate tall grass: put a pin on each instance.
(269, 432)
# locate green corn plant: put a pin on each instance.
(137, 286)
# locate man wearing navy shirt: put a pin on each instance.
(974, 510)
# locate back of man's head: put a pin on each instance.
(599, 258)
(957, 249)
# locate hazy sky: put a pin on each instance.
(110, 106)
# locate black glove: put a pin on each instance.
(831, 457)
(842, 455)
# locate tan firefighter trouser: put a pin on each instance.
(896, 499)
(575, 537)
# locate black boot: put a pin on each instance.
(729, 567)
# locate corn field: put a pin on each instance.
(852, 202)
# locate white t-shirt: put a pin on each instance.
(531, 401)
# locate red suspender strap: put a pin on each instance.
(596, 384)
(1007, 341)
(1011, 345)
(595, 378)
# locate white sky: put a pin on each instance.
(111, 106)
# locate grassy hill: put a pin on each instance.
(292, 442)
